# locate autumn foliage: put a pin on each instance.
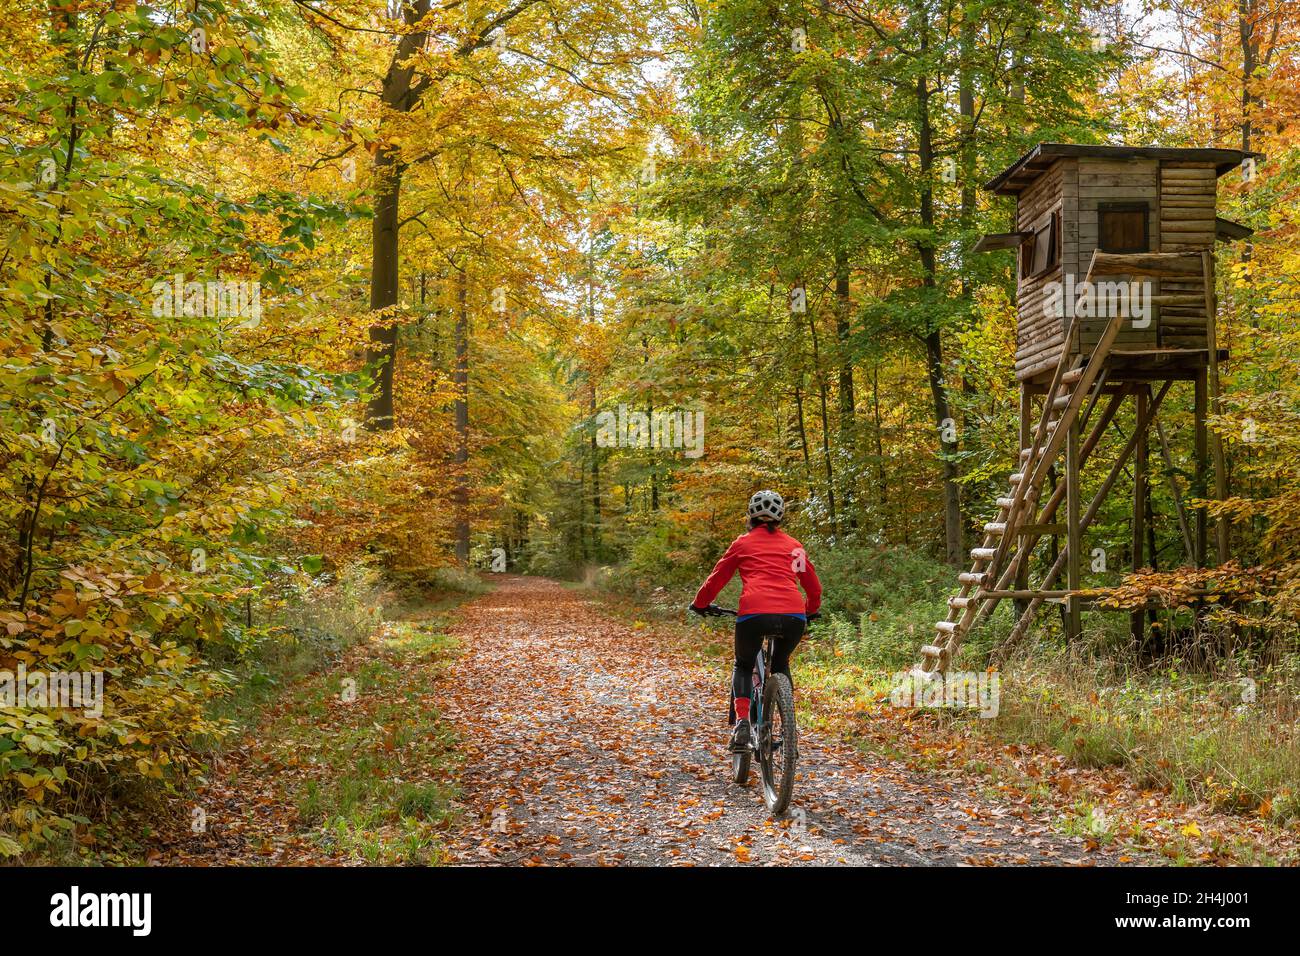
(740, 208)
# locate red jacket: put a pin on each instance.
(769, 562)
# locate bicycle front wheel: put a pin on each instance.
(778, 743)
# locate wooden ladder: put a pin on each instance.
(996, 561)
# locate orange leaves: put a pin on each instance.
(571, 753)
(1183, 588)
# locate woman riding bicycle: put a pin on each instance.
(772, 565)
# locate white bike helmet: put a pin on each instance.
(767, 506)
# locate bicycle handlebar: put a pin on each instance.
(714, 611)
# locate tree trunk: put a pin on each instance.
(460, 378)
(1246, 14)
(882, 479)
(848, 400)
(595, 484)
(1249, 61)
(966, 105)
(952, 524)
(803, 438)
(826, 425)
(397, 95)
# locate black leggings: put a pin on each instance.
(750, 632)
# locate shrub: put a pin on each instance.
(59, 767)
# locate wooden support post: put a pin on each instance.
(1137, 620)
(1053, 482)
(1034, 533)
(1097, 390)
(1216, 444)
(1073, 535)
(1202, 465)
(1054, 571)
(1179, 508)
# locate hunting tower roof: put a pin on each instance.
(1030, 166)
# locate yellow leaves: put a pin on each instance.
(1190, 830)
(133, 372)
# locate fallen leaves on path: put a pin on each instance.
(584, 739)
(591, 741)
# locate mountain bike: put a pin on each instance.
(775, 737)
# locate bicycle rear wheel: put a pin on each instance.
(740, 767)
(740, 762)
(778, 743)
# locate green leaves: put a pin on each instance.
(140, 444)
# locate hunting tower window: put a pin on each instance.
(1122, 227)
(1042, 251)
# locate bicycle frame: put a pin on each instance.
(761, 667)
(778, 782)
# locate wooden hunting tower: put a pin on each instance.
(1115, 299)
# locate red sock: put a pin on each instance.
(742, 708)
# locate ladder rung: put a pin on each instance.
(947, 627)
(995, 527)
(1017, 477)
(972, 577)
(1061, 401)
(962, 602)
(983, 554)
(1006, 502)
(930, 650)
(1072, 376)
